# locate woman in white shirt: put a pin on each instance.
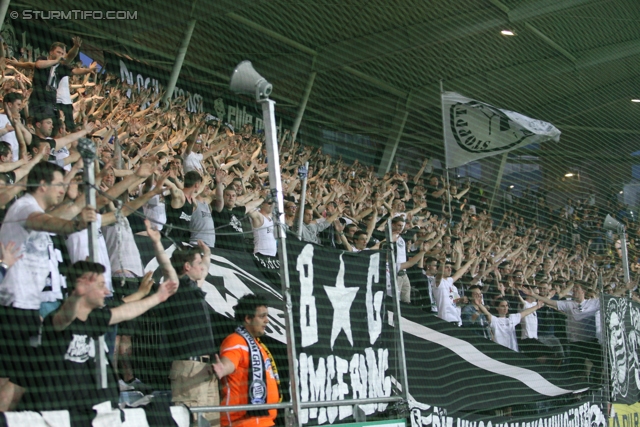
(503, 325)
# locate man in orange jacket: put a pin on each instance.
(246, 368)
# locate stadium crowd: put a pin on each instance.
(195, 179)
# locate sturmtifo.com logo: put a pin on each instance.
(76, 14)
(481, 128)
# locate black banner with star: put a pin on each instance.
(342, 334)
(341, 329)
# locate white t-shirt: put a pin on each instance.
(78, 246)
(581, 319)
(63, 95)
(504, 330)
(401, 255)
(123, 252)
(38, 267)
(193, 162)
(156, 211)
(10, 138)
(60, 155)
(444, 296)
(530, 322)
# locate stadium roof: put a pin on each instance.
(574, 63)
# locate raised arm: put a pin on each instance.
(412, 261)
(417, 176)
(528, 311)
(68, 139)
(136, 204)
(339, 227)
(131, 310)
(163, 259)
(47, 222)
(206, 255)
(461, 271)
(73, 52)
(9, 192)
(484, 311)
(191, 141)
(24, 170)
(177, 196)
(219, 202)
(48, 63)
(547, 301)
(17, 64)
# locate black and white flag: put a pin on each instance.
(474, 130)
(451, 367)
(623, 343)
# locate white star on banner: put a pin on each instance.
(341, 299)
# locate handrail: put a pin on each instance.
(286, 405)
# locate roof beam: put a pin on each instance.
(532, 10)
(392, 142)
(551, 67)
(405, 39)
(401, 40)
(302, 48)
(125, 42)
(534, 30)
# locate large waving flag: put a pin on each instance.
(474, 130)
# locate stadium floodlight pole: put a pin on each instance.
(87, 151)
(304, 175)
(246, 80)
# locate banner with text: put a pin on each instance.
(584, 414)
(338, 306)
(200, 98)
(625, 415)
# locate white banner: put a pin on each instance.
(474, 130)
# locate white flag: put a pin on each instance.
(474, 130)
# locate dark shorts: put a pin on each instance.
(18, 330)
